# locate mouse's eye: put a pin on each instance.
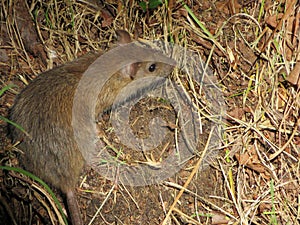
(152, 67)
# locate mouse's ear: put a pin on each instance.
(123, 38)
(130, 70)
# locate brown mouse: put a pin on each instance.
(44, 110)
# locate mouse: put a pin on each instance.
(44, 110)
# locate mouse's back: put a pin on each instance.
(44, 110)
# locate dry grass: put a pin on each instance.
(252, 49)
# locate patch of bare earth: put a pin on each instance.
(252, 48)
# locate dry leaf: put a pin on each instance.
(107, 18)
(273, 20)
(294, 76)
(218, 219)
(250, 159)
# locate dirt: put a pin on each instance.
(24, 201)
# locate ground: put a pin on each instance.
(251, 48)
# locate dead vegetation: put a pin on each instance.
(253, 49)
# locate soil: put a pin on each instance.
(207, 196)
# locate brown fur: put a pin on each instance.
(44, 110)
